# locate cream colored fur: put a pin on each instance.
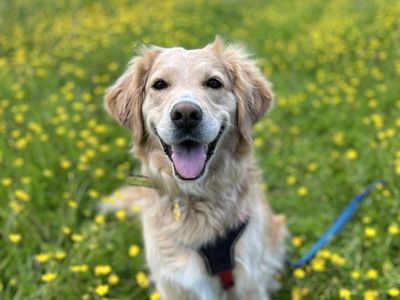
(227, 193)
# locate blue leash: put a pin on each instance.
(335, 227)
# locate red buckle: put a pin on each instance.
(226, 279)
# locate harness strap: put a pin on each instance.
(219, 256)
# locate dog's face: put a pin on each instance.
(183, 103)
(188, 104)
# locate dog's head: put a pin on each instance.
(185, 106)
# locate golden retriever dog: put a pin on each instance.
(208, 230)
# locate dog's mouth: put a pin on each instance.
(189, 157)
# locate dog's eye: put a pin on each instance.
(213, 83)
(160, 85)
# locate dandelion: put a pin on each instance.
(312, 167)
(7, 181)
(297, 241)
(48, 173)
(77, 237)
(393, 229)
(65, 164)
(113, 279)
(59, 255)
(120, 142)
(318, 264)
(338, 260)
(120, 214)
(99, 219)
(14, 238)
(134, 250)
(355, 275)
(291, 180)
(102, 289)
(345, 294)
(299, 273)
(372, 274)
(371, 295)
(302, 191)
(22, 195)
(66, 230)
(102, 270)
(142, 280)
(155, 296)
(370, 232)
(47, 277)
(351, 154)
(79, 268)
(393, 292)
(42, 257)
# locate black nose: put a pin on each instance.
(186, 114)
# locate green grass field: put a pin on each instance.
(335, 66)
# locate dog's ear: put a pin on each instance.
(252, 91)
(124, 99)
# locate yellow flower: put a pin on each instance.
(355, 275)
(393, 229)
(48, 277)
(60, 255)
(22, 195)
(66, 230)
(312, 167)
(120, 214)
(99, 219)
(7, 181)
(47, 173)
(372, 274)
(77, 237)
(93, 194)
(134, 250)
(42, 257)
(370, 295)
(65, 164)
(102, 289)
(351, 154)
(299, 273)
(113, 279)
(318, 264)
(394, 292)
(302, 191)
(72, 204)
(291, 180)
(258, 141)
(102, 270)
(345, 294)
(79, 268)
(338, 260)
(142, 280)
(14, 238)
(296, 241)
(338, 138)
(120, 142)
(370, 232)
(155, 296)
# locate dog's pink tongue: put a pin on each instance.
(189, 160)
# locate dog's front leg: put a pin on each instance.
(170, 291)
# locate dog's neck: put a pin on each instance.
(214, 204)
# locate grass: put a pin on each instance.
(335, 66)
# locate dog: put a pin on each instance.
(208, 230)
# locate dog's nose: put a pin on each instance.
(186, 114)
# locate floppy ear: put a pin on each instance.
(252, 91)
(123, 100)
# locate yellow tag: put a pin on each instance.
(177, 211)
(138, 180)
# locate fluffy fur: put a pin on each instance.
(227, 192)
